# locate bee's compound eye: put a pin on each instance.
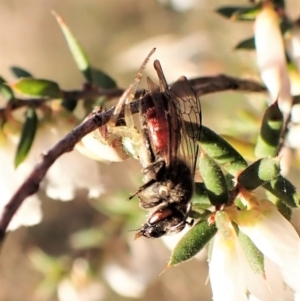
(160, 215)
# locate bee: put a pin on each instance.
(170, 128)
(166, 144)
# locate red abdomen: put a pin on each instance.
(158, 128)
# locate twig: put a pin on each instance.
(31, 184)
(202, 86)
(17, 103)
(206, 85)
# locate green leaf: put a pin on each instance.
(88, 238)
(282, 207)
(252, 253)
(102, 80)
(37, 88)
(200, 197)
(69, 104)
(5, 90)
(19, 72)
(27, 136)
(269, 138)
(285, 191)
(221, 151)
(286, 25)
(259, 173)
(241, 145)
(214, 180)
(240, 13)
(192, 242)
(77, 51)
(248, 44)
(279, 3)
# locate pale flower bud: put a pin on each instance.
(271, 57)
(29, 213)
(100, 145)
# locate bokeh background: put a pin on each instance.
(83, 249)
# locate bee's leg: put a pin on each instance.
(143, 187)
(102, 133)
(185, 216)
(151, 172)
(187, 212)
(155, 170)
(128, 116)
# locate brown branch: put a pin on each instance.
(67, 144)
(202, 86)
(17, 103)
(31, 184)
(212, 84)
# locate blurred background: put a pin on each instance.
(83, 249)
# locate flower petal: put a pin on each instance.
(275, 238)
(226, 275)
(271, 59)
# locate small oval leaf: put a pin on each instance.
(247, 44)
(69, 104)
(221, 151)
(102, 80)
(252, 253)
(270, 132)
(240, 13)
(200, 197)
(20, 72)
(282, 207)
(5, 90)
(77, 52)
(259, 173)
(214, 180)
(27, 136)
(284, 190)
(37, 88)
(192, 242)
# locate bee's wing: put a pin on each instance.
(166, 112)
(188, 111)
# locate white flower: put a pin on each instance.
(79, 286)
(275, 237)
(29, 212)
(294, 46)
(100, 145)
(179, 5)
(71, 171)
(231, 276)
(131, 267)
(230, 273)
(271, 60)
(225, 273)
